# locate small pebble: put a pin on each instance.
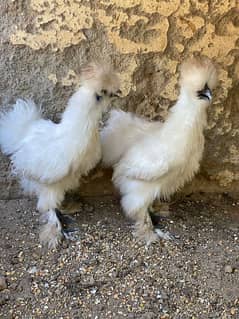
(21, 256)
(32, 270)
(3, 283)
(233, 311)
(228, 269)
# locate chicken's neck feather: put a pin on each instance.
(190, 113)
(82, 113)
(185, 124)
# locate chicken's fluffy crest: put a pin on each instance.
(195, 72)
(99, 76)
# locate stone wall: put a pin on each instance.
(44, 42)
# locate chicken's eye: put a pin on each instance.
(104, 92)
(98, 97)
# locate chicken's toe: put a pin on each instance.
(51, 235)
(164, 235)
(146, 235)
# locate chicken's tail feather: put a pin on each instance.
(15, 123)
(121, 131)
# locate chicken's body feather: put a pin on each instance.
(48, 152)
(161, 163)
(122, 130)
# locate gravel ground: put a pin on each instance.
(105, 273)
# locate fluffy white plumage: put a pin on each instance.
(131, 127)
(153, 159)
(50, 158)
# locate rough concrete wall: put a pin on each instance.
(44, 42)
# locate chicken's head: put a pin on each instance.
(198, 78)
(102, 80)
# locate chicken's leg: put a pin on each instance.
(68, 223)
(51, 230)
(145, 230)
(159, 209)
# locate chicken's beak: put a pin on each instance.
(205, 93)
(116, 94)
(208, 94)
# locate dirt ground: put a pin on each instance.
(105, 273)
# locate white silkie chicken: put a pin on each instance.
(154, 159)
(50, 158)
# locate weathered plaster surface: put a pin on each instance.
(44, 43)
